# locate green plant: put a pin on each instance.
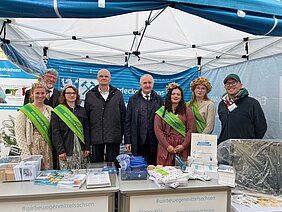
(8, 131)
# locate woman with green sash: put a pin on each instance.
(32, 126)
(173, 126)
(202, 107)
(70, 130)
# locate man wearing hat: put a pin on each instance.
(241, 116)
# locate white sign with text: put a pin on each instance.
(182, 202)
(85, 204)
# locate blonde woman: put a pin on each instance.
(32, 126)
(202, 107)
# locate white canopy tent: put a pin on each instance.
(170, 42)
(163, 41)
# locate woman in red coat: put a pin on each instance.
(173, 126)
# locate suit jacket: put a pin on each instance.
(55, 96)
(131, 127)
(106, 117)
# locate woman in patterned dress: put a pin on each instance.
(71, 142)
(30, 136)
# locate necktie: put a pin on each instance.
(147, 97)
(48, 96)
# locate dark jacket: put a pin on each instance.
(53, 102)
(246, 121)
(132, 125)
(63, 136)
(106, 117)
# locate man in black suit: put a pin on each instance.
(50, 77)
(105, 107)
(139, 135)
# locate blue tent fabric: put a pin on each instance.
(250, 23)
(75, 8)
(267, 7)
(258, 17)
(29, 65)
(262, 17)
(123, 77)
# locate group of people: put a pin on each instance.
(54, 124)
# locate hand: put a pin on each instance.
(63, 156)
(171, 149)
(128, 147)
(179, 148)
(86, 153)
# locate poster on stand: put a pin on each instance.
(13, 84)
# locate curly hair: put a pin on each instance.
(199, 81)
(181, 107)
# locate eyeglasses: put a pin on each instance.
(70, 93)
(51, 76)
(233, 83)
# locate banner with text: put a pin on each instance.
(126, 79)
(13, 84)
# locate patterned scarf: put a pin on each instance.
(241, 94)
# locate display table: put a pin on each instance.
(146, 196)
(25, 196)
(241, 208)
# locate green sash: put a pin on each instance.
(173, 120)
(70, 120)
(200, 123)
(40, 122)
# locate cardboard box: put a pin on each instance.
(134, 174)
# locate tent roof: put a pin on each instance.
(258, 17)
(164, 40)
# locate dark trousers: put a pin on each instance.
(146, 151)
(55, 159)
(98, 152)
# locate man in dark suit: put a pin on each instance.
(105, 107)
(50, 77)
(139, 136)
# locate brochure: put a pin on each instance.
(51, 177)
(204, 148)
(98, 179)
(72, 181)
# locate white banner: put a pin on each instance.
(181, 202)
(85, 204)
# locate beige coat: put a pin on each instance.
(24, 131)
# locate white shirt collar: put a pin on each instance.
(104, 94)
(51, 91)
(108, 89)
(144, 95)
